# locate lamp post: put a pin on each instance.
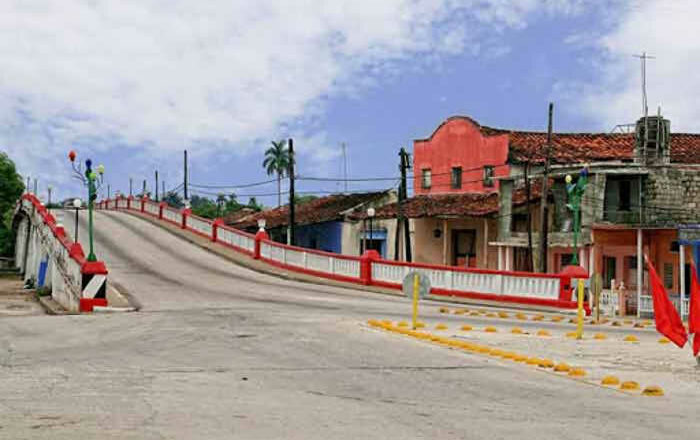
(49, 189)
(76, 204)
(370, 214)
(576, 191)
(90, 179)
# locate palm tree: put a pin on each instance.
(277, 162)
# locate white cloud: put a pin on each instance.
(157, 76)
(666, 30)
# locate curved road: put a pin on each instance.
(220, 351)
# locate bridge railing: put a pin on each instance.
(552, 290)
(45, 253)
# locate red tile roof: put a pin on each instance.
(584, 147)
(452, 205)
(323, 209)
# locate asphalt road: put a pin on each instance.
(219, 351)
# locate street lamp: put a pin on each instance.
(575, 191)
(49, 189)
(370, 214)
(76, 204)
(90, 179)
(261, 224)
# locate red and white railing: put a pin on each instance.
(551, 290)
(76, 284)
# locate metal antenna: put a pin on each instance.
(643, 59)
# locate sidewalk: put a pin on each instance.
(16, 301)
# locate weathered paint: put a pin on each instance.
(459, 142)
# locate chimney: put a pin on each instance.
(653, 139)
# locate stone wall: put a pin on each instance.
(672, 196)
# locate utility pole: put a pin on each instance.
(162, 194)
(36, 186)
(143, 193)
(530, 264)
(131, 186)
(290, 238)
(345, 167)
(27, 186)
(403, 222)
(544, 209)
(109, 191)
(49, 189)
(156, 185)
(187, 199)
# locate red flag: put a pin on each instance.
(694, 309)
(668, 323)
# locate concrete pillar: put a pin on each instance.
(444, 243)
(509, 258)
(582, 257)
(500, 258)
(681, 255)
(486, 244)
(505, 205)
(640, 270)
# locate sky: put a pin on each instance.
(131, 84)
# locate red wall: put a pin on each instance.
(459, 142)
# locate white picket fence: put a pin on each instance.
(200, 225)
(235, 238)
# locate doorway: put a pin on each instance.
(464, 247)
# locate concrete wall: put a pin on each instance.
(354, 231)
(458, 142)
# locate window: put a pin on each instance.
(488, 175)
(426, 178)
(456, 177)
(668, 275)
(622, 199)
(675, 247)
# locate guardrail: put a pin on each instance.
(43, 248)
(551, 290)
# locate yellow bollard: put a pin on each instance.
(579, 324)
(415, 300)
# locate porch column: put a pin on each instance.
(582, 258)
(681, 251)
(486, 243)
(509, 252)
(444, 242)
(591, 260)
(500, 257)
(640, 271)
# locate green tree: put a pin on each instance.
(11, 187)
(277, 162)
(254, 205)
(203, 207)
(173, 199)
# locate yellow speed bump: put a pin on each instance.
(653, 390)
(557, 318)
(475, 313)
(562, 368)
(600, 336)
(420, 324)
(519, 358)
(628, 321)
(571, 335)
(629, 385)
(517, 331)
(616, 324)
(631, 338)
(496, 352)
(546, 363)
(532, 361)
(664, 340)
(503, 315)
(387, 322)
(460, 311)
(373, 323)
(538, 317)
(490, 315)
(441, 326)
(577, 372)
(521, 316)
(403, 324)
(483, 349)
(610, 380)
(490, 329)
(466, 327)
(444, 310)
(543, 333)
